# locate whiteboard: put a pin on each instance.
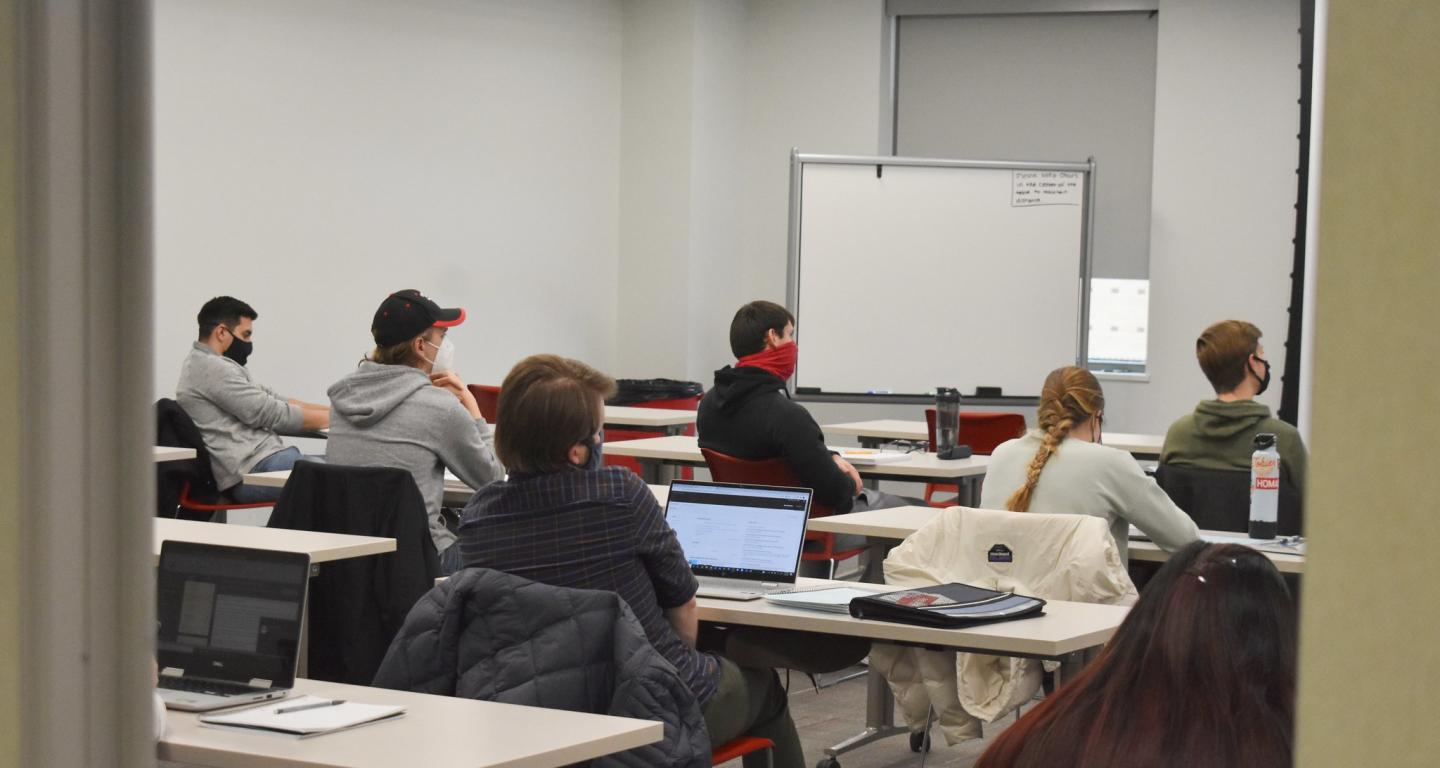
(934, 273)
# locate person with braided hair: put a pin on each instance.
(1062, 468)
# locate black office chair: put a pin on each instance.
(1219, 499)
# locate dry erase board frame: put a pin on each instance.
(930, 322)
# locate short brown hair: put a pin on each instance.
(752, 321)
(547, 404)
(1223, 351)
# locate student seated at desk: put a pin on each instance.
(1062, 468)
(239, 419)
(1220, 434)
(1201, 673)
(748, 414)
(564, 519)
(405, 407)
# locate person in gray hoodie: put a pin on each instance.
(403, 407)
(1220, 434)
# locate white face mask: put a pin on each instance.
(444, 361)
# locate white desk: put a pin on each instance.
(874, 432)
(457, 493)
(168, 453)
(435, 732)
(321, 547)
(894, 524)
(656, 452)
(1064, 632)
(671, 421)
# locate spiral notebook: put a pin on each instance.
(305, 716)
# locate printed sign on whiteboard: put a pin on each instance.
(1029, 188)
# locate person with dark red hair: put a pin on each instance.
(1200, 674)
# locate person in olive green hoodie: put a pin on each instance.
(1220, 434)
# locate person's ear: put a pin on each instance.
(577, 454)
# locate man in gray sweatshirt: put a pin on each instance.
(404, 407)
(239, 419)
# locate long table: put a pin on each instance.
(457, 493)
(656, 453)
(321, 547)
(1063, 633)
(435, 732)
(889, 525)
(165, 453)
(671, 421)
(873, 433)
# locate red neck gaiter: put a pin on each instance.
(778, 361)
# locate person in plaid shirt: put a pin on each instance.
(562, 518)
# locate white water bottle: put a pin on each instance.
(1264, 487)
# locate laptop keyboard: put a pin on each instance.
(193, 685)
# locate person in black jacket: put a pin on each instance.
(748, 414)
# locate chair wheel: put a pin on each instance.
(828, 762)
(920, 742)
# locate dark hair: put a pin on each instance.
(222, 310)
(547, 404)
(752, 321)
(1200, 674)
(1224, 349)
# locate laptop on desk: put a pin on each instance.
(229, 624)
(743, 541)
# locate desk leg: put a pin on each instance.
(879, 717)
(656, 472)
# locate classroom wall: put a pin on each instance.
(1222, 197)
(1371, 607)
(311, 157)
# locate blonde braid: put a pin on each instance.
(1020, 500)
(1070, 396)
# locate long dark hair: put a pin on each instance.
(1200, 674)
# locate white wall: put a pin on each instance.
(1226, 119)
(312, 157)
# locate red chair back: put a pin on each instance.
(982, 431)
(488, 398)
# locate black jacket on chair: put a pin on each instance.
(1219, 499)
(358, 604)
(175, 428)
(493, 636)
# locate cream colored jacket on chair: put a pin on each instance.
(1054, 557)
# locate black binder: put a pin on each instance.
(946, 606)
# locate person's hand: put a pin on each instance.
(850, 470)
(452, 383)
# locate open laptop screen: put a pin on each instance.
(230, 613)
(739, 531)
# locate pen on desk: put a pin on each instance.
(303, 707)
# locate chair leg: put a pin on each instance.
(832, 569)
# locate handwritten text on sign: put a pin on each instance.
(1029, 188)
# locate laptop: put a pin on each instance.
(229, 624)
(743, 541)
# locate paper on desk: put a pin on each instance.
(870, 456)
(310, 722)
(834, 600)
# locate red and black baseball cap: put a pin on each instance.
(403, 315)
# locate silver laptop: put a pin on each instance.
(229, 624)
(743, 541)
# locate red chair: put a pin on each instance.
(621, 435)
(728, 469)
(488, 398)
(983, 432)
(215, 510)
(745, 745)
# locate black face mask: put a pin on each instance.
(596, 458)
(239, 349)
(1264, 380)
